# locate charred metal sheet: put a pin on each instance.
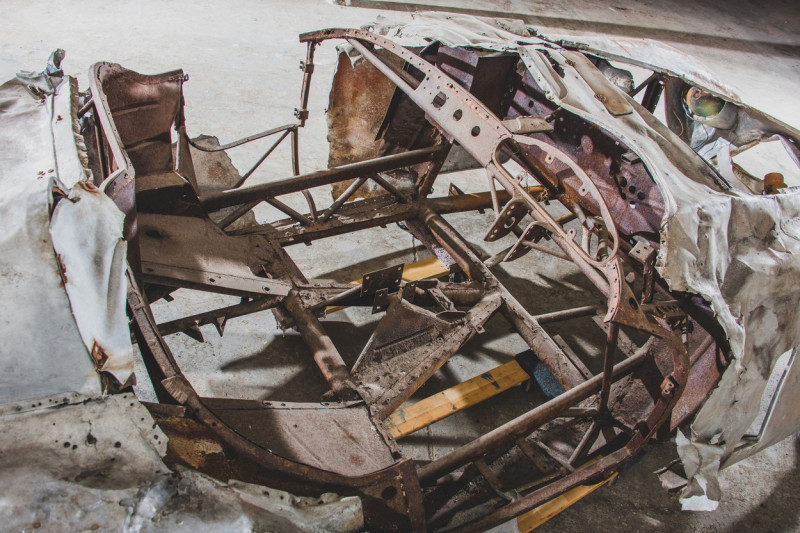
(351, 444)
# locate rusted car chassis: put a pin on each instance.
(498, 114)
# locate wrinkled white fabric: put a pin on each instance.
(41, 350)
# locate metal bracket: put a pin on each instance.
(381, 302)
(527, 124)
(514, 211)
(535, 232)
(307, 67)
(668, 310)
(440, 299)
(301, 114)
(643, 252)
(646, 255)
(386, 278)
(454, 190)
(409, 291)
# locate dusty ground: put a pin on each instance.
(242, 57)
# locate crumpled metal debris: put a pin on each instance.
(88, 464)
(736, 249)
(45, 82)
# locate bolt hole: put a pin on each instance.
(633, 303)
(458, 114)
(640, 195)
(388, 493)
(475, 131)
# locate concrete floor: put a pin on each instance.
(242, 58)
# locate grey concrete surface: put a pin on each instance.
(242, 58)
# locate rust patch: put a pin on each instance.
(99, 355)
(193, 445)
(62, 269)
(190, 443)
(358, 101)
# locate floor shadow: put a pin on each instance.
(752, 499)
(779, 510)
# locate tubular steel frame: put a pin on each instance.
(406, 495)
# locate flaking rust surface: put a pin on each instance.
(358, 100)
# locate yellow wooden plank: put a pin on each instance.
(425, 412)
(536, 517)
(425, 269)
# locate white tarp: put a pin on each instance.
(41, 349)
(62, 282)
(86, 228)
